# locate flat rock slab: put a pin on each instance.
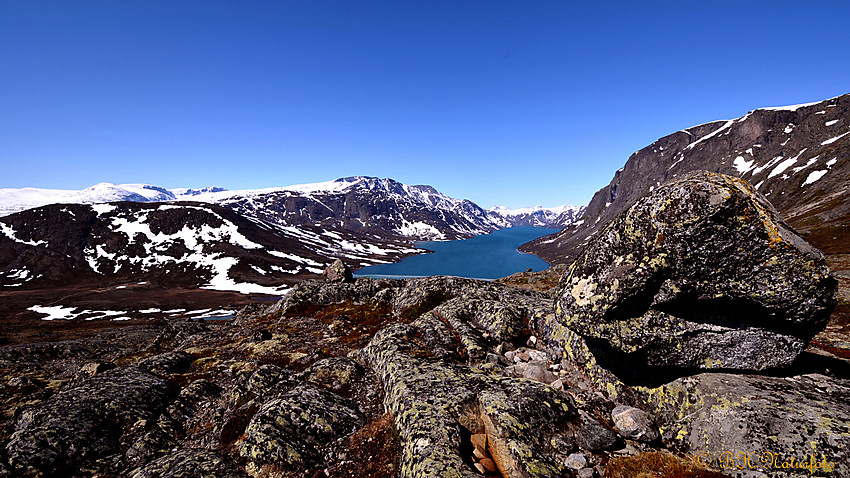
(701, 273)
(774, 419)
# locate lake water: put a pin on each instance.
(488, 256)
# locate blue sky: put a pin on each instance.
(512, 103)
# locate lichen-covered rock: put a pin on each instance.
(437, 401)
(772, 417)
(190, 463)
(288, 433)
(338, 272)
(269, 379)
(336, 374)
(593, 436)
(86, 421)
(700, 273)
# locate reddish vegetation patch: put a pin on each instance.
(373, 452)
(656, 465)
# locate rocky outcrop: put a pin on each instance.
(83, 423)
(423, 377)
(700, 273)
(287, 433)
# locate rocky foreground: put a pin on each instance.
(672, 347)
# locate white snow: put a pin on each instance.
(832, 140)
(9, 232)
(18, 274)
(831, 162)
(742, 165)
(781, 167)
(789, 128)
(830, 123)
(14, 200)
(419, 229)
(814, 176)
(294, 258)
(531, 210)
(810, 162)
(790, 107)
(714, 133)
(54, 312)
(103, 208)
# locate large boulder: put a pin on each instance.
(338, 272)
(700, 273)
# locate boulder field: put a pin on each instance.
(673, 346)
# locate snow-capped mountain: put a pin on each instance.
(377, 206)
(15, 200)
(555, 217)
(187, 244)
(796, 156)
(366, 204)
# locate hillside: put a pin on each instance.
(796, 156)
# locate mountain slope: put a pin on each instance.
(186, 244)
(797, 156)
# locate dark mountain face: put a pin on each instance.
(187, 244)
(797, 157)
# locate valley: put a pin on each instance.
(698, 304)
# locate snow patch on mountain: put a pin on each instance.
(15, 200)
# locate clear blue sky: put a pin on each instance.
(515, 103)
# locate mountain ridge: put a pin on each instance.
(796, 156)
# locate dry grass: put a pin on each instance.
(656, 465)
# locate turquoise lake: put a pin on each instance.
(488, 256)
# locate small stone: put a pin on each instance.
(538, 356)
(634, 423)
(576, 461)
(532, 341)
(558, 384)
(517, 370)
(523, 355)
(479, 441)
(338, 272)
(492, 358)
(500, 349)
(538, 371)
(555, 367)
(595, 437)
(489, 464)
(586, 473)
(563, 443)
(478, 454)
(261, 336)
(94, 368)
(480, 468)
(510, 355)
